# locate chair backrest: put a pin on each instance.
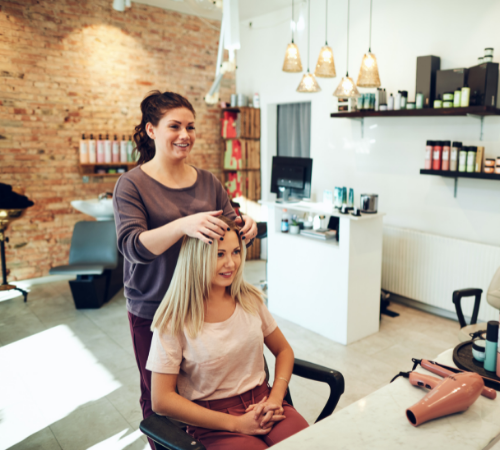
(94, 243)
(493, 294)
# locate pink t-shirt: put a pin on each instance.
(224, 360)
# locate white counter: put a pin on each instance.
(329, 287)
(378, 421)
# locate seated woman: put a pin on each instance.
(208, 342)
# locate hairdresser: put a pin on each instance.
(158, 203)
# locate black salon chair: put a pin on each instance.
(96, 263)
(169, 434)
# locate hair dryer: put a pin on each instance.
(453, 394)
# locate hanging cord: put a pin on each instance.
(308, 31)
(293, 22)
(326, 23)
(370, 41)
(347, 64)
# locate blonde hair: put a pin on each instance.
(183, 304)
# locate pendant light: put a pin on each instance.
(292, 61)
(325, 68)
(347, 88)
(368, 73)
(308, 82)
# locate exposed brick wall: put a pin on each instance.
(69, 67)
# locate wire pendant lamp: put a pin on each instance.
(292, 61)
(308, 82)
(325, 67)
(368, 73)
(346, 87)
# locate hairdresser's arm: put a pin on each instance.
(280, 348)
(166, 402)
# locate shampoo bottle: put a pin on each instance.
(100, 150)
(123, 150)
(116, 150)
(84, 151)
(107, 150)
(92, 152)
(490, 361)
(130, 149)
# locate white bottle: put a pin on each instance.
(397, 101)
(256, 100)
(390, 103)
(100, 150)
(92, 152)
(116, 150)
(84, 151)
(130, 149)
(123, 150)
(107, 150)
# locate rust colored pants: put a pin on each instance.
(236, 406)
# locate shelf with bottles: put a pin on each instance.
(113, 169)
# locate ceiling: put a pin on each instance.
(205, 8)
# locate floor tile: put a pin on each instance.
(42, 440)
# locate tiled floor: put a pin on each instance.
(68, 378)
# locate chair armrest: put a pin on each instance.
(333, 378)
(468, 292)
(164, 432)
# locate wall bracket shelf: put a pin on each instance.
(478, 112)
(457, 175)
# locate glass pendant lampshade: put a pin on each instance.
(292, 61)
(325, 67)
(368, 73)
(308, 84)
(346, 88)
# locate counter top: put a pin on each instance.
(378, 421)
(319, 208)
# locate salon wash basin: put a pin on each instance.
(101, 209)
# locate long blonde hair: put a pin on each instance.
(183, 304)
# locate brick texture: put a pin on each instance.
(69, 67)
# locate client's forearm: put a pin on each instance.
(282, 373)
(179, 408)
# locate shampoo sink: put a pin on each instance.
(100, 209)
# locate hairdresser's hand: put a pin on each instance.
(249, 230)
(248, 424)
(204, 226)
(269, 410)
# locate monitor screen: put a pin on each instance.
(292, 173)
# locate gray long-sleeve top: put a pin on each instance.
(141, 203)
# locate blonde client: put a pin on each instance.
(208, 341)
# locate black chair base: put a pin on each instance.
(92, 291)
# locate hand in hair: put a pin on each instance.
(204, 226)
(249, 229)
(248, 424)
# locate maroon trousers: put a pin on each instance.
(141, 338)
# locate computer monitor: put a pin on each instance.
(293, 176)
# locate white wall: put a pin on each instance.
(387, 160)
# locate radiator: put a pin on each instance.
(428, 268)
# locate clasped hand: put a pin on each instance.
(265, 414)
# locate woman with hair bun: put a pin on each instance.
(207, 352)
(158, 203)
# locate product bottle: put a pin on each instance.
(130, 149)
(123, 150)
(390, 103)
(404, 99)
(445, 157)
(462, 159)
(100, 150)
(397, 101)
(457, 96)
(465, 94)
(480, 159)
(256, 100)
(84, 151)
(471, 159)
(284, 222)
(455, 149)
(428, 155)
(419, 100)
(115, 150)
(437, 150)
(92, 150)
(490, 361)
(107, 150)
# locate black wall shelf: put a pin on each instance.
(426, 112)
(457, 175)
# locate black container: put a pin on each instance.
(427, 66)
(483, 84)
(450, 80)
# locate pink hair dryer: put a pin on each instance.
(453, 394)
